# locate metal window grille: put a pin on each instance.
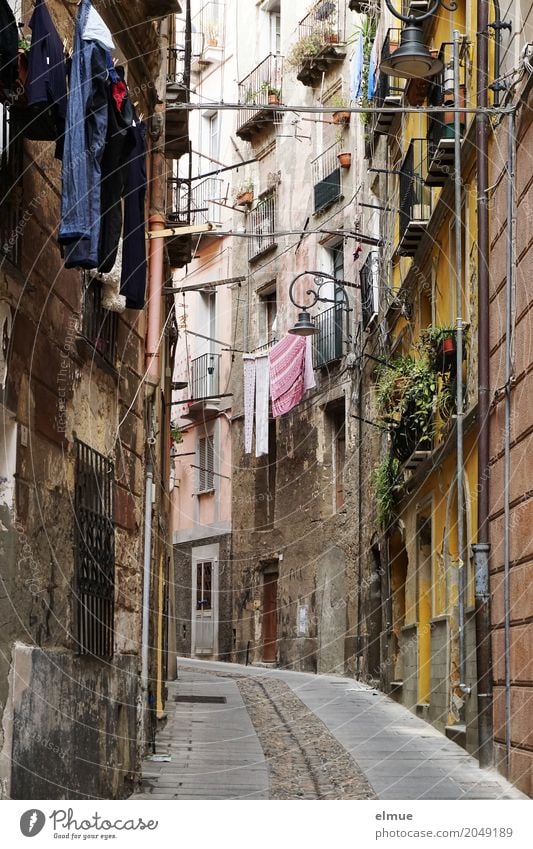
(327, 177)
(10, 187)
(262, 225)
(205, 376)
(206, 462)
(369, 279)
(328, 343)
(99, 326)
(415, 196)
(207, 200)
(327, 20)
(95, 552)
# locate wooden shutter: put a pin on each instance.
(206, 462)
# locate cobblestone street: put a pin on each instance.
(237, 732)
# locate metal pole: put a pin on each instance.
(481, 550)
(147, 574)
(459, 369)
(507, 432)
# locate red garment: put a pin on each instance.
(119, 91)
(287, 371)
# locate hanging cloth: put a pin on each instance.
(357, 68)
(287, 370)
(9, 42)
(372, 70)
(309, 373)
(133, 283)
(262, 388)
(46, 81)
(79, 230)
(248, 364)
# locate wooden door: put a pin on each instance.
(270, 617)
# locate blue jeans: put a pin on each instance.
(85, 136)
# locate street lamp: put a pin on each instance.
(305, 326)
(412, 59)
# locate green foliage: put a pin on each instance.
(388, 483)
(176, 435)
(305, 48)
(405, 394)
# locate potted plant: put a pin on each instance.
(406, 398)
(244, 195)
(341, 116)
(305, 48)
(273, 94)
(212, 34)
(345, 159)
(440, 343)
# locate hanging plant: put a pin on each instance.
(176, 435)
(406, 398)
(439, 343)
(388, 482)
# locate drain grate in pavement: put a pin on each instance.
(204, 700)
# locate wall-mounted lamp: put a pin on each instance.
(412, 59)
(305, 326)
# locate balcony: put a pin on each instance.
(178, 214)
(261, 90)
(327, 179)
(205, 383)
(328, 342)
(369, 281)
(261, 223)
(176, 119)
(207, 200)
(415, 198)
(441, 126)
(389, 90)
(11, 171)
(321, 37)
(207, 37)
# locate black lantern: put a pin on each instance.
(412, 59)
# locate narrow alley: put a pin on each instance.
(235, 732)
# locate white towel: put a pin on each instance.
(262, 393)
(249, 392)
(309, 374)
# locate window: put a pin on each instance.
(10, 187)
(337, 420)
(206, 463)
(275, 33)
(94, 552)
(268, 319)
(204, 586)
(265, 483)
(214, 136)
(99, 325)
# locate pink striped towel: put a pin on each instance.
(287, 360)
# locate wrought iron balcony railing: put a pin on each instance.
(207, 199)
(369, 280)
(441, 125)
(205, 376)
(261, 223)
(327, 179)
(389, 90)
(261, 88)
(326, 20)
(416, 202)
(328, 342)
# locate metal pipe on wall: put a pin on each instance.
(459, 422)
(509, 281)
(481, 550)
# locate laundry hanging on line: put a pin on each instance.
(284, 374)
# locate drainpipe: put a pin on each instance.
(147, 570)
(459, 370)
(481, 550)
(511, 153)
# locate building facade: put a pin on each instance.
(83, 407)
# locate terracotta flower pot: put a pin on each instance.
(341, 117)
(244, 198)
(273, 99)
(345, 159)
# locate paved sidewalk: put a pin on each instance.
(216, 753)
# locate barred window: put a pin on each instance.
(95, 552)
(99, 325)
(206, 463)
(10, 187)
